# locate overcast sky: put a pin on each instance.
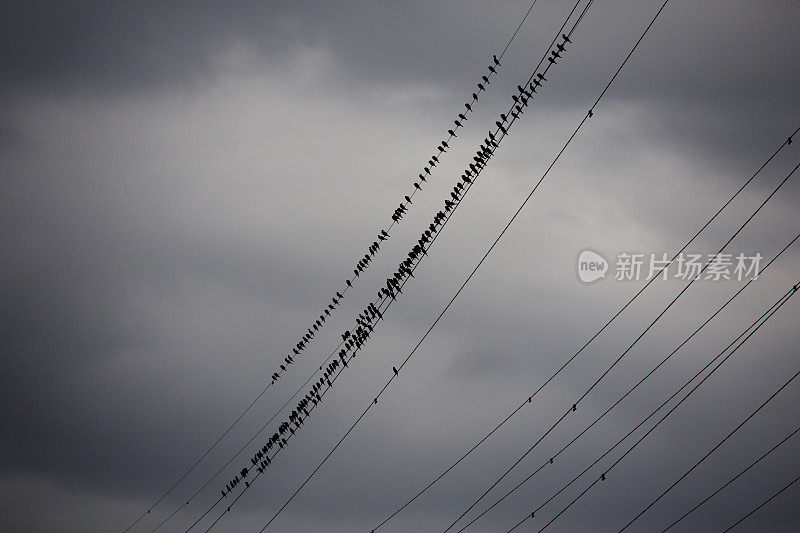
(185, 186)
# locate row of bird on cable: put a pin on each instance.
(318, 324)
(364, 262)
(443, 146)
(354, 340)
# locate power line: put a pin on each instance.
(785, 298)
(448, 208)
(702, 459)
(762, 504)
(629, 392)
(734, 478)
(772, 308)
(573, 408)
(318, 324)
(529, 399)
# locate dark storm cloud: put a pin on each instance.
(183, 185)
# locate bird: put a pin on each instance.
(555, 53)
(541, 76)
(496, 62)
(560, 47)
(486, 80)
(461, 116)
(395, 370)
(457, 123)
(408, 199)
(474, 97)
(551, 60)
(492, 70)
(452, 133)
(481, 87)
(591, 113)
(469, 107)
(566, 39)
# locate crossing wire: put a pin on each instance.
(630, 391)
(436, 236)
(573, 407)
(500, 137)
(528, 400)
(194, 465)
(733, 479)
(769, 314)
(762, 504)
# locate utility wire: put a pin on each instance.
(783, 301)
(762, 504)
(734, 478)
(630, 390)
(529, 399)
(655, 411)
(343, 291)
(574, 407)
(454, 206)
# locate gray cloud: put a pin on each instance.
(184, 187)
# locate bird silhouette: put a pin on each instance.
(452, 133)
(560, 47)
(566, 39)
(481, 88)
(492, 70)
(541, 76)
(496, 62)
(486, 80)
(469, 107)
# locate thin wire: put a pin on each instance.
(573, 407)
(713, 360)
(529, 399)
(734, 478)
(400, 366)
(762, 504)
(630, 391)
(250, 406)
(615, 463)
(518, 28)
(701, 460)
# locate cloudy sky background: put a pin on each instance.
(184, 188)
